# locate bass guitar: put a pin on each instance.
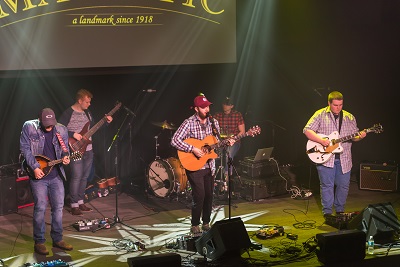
(320, 154)
(46, 164)
(192, 163)
(80, 146)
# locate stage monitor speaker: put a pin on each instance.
(166, 259)
(8, 198)
(379, 220)
(24, 193)
(342, 246)
(225, 238)
(378, 177)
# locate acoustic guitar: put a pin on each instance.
(192, 163)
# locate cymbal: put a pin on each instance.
(165, 125)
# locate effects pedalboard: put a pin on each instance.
(270, 231)
(55, 263)
(91, 225)
(341, 220)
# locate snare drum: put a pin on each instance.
(166, 176)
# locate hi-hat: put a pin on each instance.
(165, 125)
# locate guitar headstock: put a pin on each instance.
(377, 128)
(76, 156)
(253, 131)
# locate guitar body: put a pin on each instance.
(319, 154)
(46, 164)
(80, 146)
(192, 163)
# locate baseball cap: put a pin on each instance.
(201, 101)
(227, 101)
(47, 117)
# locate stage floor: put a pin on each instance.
(150, 225)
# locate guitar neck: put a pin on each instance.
(97, 126)
(225, 142)
(345, 138)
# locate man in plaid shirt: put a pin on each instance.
(335, 171)
(198, 126)
(231, 123)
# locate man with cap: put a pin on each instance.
(45, 137)
(199, 126)
(231, 123)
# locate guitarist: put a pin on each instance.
(76, 118)
(44, 136)
(199, 126)
(335, 171)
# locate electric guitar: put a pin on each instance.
(46, 164)
(192, 163)
(80, 146)
(320, 154)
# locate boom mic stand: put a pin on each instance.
(115, 140)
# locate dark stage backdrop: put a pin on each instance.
(290, 55)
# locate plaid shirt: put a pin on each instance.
(229, 123)
(191, 128)
(323, 122)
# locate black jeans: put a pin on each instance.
(202, 184)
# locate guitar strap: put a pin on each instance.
(63, 146)
(340, 120)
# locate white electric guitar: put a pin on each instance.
(320, 154)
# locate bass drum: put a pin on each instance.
(166, 176)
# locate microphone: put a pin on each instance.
(208, 115)
(130, 111)
(149, 90)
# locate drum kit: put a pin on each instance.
(167, 177)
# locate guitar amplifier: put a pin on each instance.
(253, 189)
(257, 168)
(379, 177)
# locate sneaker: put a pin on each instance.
(205, 227)
(41, 249)
(83, 207)
(76, 212)
(195, 230)
(62, 245)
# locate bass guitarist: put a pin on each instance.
(78, 120)
(199, 126)
(337, 169)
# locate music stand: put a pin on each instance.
(115, 141)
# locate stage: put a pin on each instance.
(152, 225)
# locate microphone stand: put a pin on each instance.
(216, 133)
(115, 140)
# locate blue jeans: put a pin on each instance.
(44, 191)
(329, 178)
(80, 172)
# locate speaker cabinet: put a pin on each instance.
(379, 177)
(226, 238)
(24, 193)
(343, 246)
(379, 220)
(166, 259)
(8, 200)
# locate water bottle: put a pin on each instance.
(371, 244)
